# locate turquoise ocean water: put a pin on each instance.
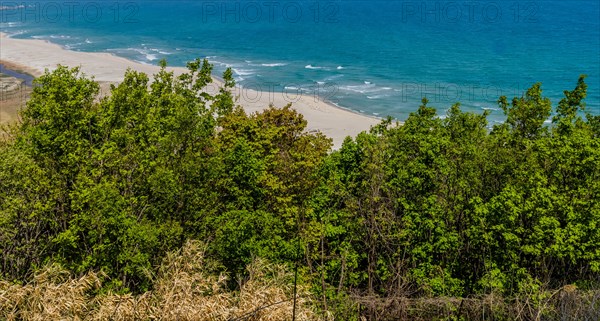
(374, 57)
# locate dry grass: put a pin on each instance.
(565, 304)
(185, 289)
(52, 295)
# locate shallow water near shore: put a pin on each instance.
(375, 57)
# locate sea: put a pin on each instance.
(378, 58)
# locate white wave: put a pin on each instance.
(60, 37)
(222, 64)
(243, 72)
(8, 24)
(278, 64)
(73, 46)
(366, 88)
(377, 96)
(340, 68)
(12, 7)
(20, 32)
(162, 52)
(359, 88)
(333, 77)
(314, 67)
(291, 88)
(87, 40)
(146, 53)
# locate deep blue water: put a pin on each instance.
(375, 57)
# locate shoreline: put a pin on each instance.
(33, 56)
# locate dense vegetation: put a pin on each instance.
(436, 207)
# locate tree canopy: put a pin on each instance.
(438, 206)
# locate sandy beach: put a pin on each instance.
(34, 56)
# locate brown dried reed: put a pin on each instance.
(185, 288)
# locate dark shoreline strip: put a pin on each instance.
(27, 78)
